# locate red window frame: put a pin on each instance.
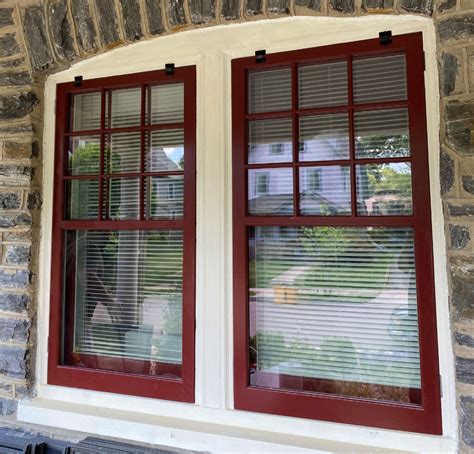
(424, 418)
(112, 381)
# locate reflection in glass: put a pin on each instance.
(124, 152)
(324, 137)
(270, 191)
(384, 189)
(325, 190)
(86, 111)
(323, 84)
(84, 155)
(166, 104)
(82, 199)
(270, 141)
(381, 78)
(126, 107)
(124, 200)
(164, 197)
(165, 150)
(333, 310)
(382, 133)
(269, 91)
(126, 291)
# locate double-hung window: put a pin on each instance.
(334, 311)
(122, 298)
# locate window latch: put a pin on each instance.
(78, 81)
(169, 69)
(260, 56)
(385, 38)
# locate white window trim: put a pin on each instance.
(156, 421)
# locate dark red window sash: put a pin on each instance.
(425, 418)
(111, 381)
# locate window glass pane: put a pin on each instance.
(384, 189)
(124, 152)
(123, 199)
(164, 197)
(126, 291)
(86, 111)
(323, 84)
(82, 199)
(165, 150)
(324, 137)
(269, 91)
(166, 104)
(270, 141)
(325, 190)
(379, 79)
(126, 107)
(333, 310)
(270, 191)
(84, 155)
(382, 134)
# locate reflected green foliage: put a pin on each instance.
(390, 146)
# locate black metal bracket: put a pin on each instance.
(260, 56)
(78, 81)
(169, 69)
(385, 38)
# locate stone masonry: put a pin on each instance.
(41, 37)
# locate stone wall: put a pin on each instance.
(40, 37)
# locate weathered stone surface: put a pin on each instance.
(468, 183)
(17, 150)
(460, 210)
(417, 6)
(450, 72)
(460, 126)
(17, 105)
(202, 11)
(369, 5)
(14, 63)
(34, 201)
(8, 45)
(16, 254)
(108, 25)
(60, 29)
(13, 361)
(6, 388)
(456, 28)
(14, 302)
(8, 406)
(131, 19)
(446, 6)
(17, 235)
(460, 236)
(254, 7)
(446, 172)
(343, 6)
(464, 339)
(11, 329)
(6, 17)
(15, 78)
(13, 175)
(8, 220)
(154, 16)
(10, 200)
(467, 420)
(36, 37)
(465, 370)
(14, 130)
(462, 278)
(176, 14)
(230, 9)
(85, 30)
(10, 278)
(22, 391)
(278, 7)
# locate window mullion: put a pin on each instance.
(352, 137)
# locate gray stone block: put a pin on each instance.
(15, 79)
(85, 30)
(254, 7)
(459, 120)
(456, 28)
(108, 25)
(11, 329)
(202, 11)
(467, 420)
(377, 4)
(464, 339)
(465, 370)
(8, 406)
(14, 302)
(460, 236)
(278, 7)
(8, 45)
(417, 6)
(13, 361)
(8, 220)
(17, 254)
(131, 19)
(343, 6)
(462, 279)
(17, 106)
(446, 6)
(10, 200)
(34, 28)
(6, 17)
(176, 14)
(60, 29)
(14, 278)
(450, 71)
(34, 200)
(155, 17)
(446, 172)
(468, 183)
(230, 9)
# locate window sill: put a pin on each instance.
(235, 432)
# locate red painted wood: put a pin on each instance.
(157, 386)
(426, 417)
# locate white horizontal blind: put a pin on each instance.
(335, 303)
(269, 91)
(126, 107)
(270, 141)
(86, 111)
(166, 103)
(128, 294)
